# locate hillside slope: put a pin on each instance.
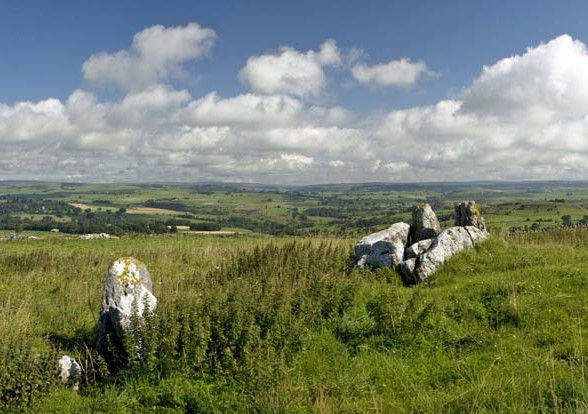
(284, 325)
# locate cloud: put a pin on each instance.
(289, 71)
(402, 73)
(291, 162)
(523, 117)
(336, 163)
(253, 111)
(546, 84)
(151, 107)
(249, 111)
(156, 55)
(33, 121)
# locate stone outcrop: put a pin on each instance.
(468, 214)
(416, 251)
(95, 236)
(127, 294)
(424, 224)
(384, 248)
(15, 237)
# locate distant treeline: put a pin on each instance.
(54, 214)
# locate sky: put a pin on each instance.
(293, 92)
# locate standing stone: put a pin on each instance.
(384, 248)
(424, 224)
(127, 291)
(468, 214)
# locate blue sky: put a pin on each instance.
(43, 44)
(293, 92)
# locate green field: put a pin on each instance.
(264, 324)
(261, 323)
(342, 210)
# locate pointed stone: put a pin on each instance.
(468, 214)
(424, 224)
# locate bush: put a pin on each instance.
(25, 375)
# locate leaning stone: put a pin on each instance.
(424, 224)
(418, 248)
(468, 214)
(450, 242)
(127, 293)
(384, 248)
(70, 371)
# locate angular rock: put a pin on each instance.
(424, 224)
(450, 242)
(384, 248)
(418, 248)
(406, 269)
(70, 371)
(468, 214)
(127, 293)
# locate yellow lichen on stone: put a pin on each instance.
(129, 274)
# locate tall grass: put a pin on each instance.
(284, 325)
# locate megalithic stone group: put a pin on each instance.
(417, 250)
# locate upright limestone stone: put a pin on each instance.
(127, 291)
(468, 214)
(424, 224)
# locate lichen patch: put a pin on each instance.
(127, 272)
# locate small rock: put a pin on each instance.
(70, 371)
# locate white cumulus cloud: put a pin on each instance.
(402, 73)
(291, 162)
(523, 117)
(156, 54)
(33, 121)
(545, 84)
(289, 71)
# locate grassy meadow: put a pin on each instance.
(267, 316)
(266, 324)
